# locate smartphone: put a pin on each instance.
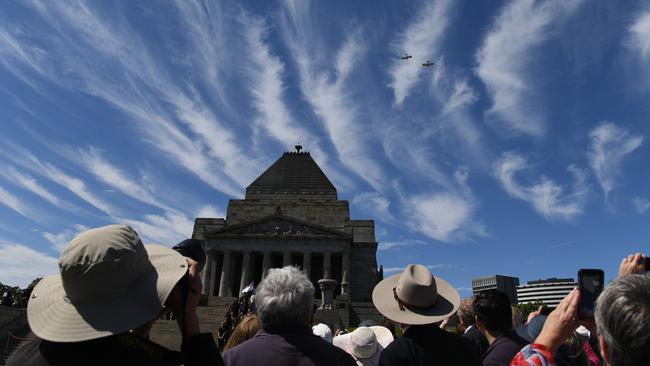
(590, 283)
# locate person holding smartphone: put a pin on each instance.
(622, 317)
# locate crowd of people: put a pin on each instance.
(111, 288)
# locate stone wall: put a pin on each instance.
(363, 268)
(332, 214)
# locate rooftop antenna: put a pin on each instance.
(298, 147)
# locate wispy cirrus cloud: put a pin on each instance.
(547, 198)
(61, 240)
(609, 146)
(444, 216)
(422, 38)
(113, 176)
(163, 109)
(431, 267)
(506, 55)
(642, 205)
(9, 200)
(387, 245)
(21, 264)
(639, 36)
(29, 183)
(327, 91)
(377, 204)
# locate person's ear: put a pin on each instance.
(604, 352)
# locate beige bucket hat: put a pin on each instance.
(109, 283)
(415, 296)
(365, 344)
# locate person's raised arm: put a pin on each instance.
(633, 263)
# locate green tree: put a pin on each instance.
(528, 308)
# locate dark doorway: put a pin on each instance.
(256, 263)
(297, 260)
(218, 258)
(276, 260)
(337, 267)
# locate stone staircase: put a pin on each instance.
(166, 333)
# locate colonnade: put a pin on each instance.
(220, 267)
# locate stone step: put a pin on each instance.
(166, 333)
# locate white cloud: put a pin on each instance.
(422, 38)
(443, 216)
(20, 264)
(642, 204)
(167, 229)
(377, 204)
(29, 183)
(639, 33)
(114, 177)
(328, 91)
(431, 267)
(142, 89)
(11, 201)
(210, 211)
(609, 145)
(506, 55)
(400, 244)
(61, 240)
(547, 197)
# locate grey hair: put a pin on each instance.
(284, 297)
(623, 319)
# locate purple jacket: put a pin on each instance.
(503, 349)
(287, 346)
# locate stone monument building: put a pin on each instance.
(291, 214)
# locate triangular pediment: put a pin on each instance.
(278, 226)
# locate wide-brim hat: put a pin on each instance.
(86, 301)
(362, 353)
(415, 296)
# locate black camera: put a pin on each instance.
(192, 248)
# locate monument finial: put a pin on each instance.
(298, 147)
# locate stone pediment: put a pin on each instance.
(278, 226)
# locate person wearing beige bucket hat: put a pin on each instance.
(416, 299)
(99, 308)
(365, 344)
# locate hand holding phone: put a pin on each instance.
(634, 263)
(590, 285)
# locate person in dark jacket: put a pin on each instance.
(284, 302)
(416, 299)
(467, 323)
(110, 290)
(494, 319)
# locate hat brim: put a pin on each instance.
(446, 304)
(53, 317)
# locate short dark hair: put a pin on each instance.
(492, 307)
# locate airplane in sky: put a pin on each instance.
(406, 56)
(428, 64)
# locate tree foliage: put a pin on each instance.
(14, 296)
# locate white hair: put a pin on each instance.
(284, 297)
(623, 319)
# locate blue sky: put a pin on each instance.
(522, 151)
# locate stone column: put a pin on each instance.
(286, 258)
(327, 265)
(266, 262)
(306, 263)
(205, 279)
(224, 286)
(346, 272)
(245, 271)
